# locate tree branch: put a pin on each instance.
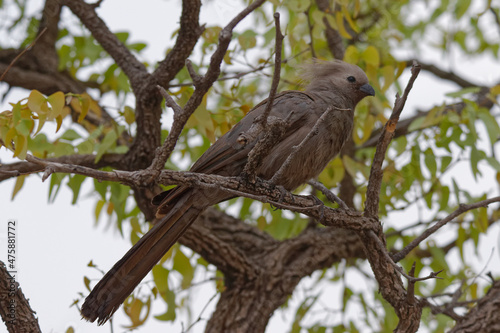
(15, 309)
(274, 130)
(375, 180)
(442, 74)
(459, 211)
(189, 33)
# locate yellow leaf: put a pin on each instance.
(59, 120)
(349, 19)
(21, 147)
(84, 103)
(129, 115)
(495, 90)
(371, 56)
(473, 290)
(340, 25)
(110, 208)
(18, 185)
(37, 102)
(227, 58)
(245, 108)
(401, 68)
(351, 55)
(388, 74)
(9, 137)
(57, 101)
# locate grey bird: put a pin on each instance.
(331, 84)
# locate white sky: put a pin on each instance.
(56, 241)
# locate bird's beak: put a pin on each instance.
(367, 89)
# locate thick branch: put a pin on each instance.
(15, 309)
(189, 33)
(484, 316)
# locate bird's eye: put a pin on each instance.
(351, 79)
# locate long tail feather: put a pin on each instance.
(126, 274)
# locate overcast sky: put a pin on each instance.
(57, 240)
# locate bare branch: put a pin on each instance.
(329, 194)
(375, 180)
(442, 74)
(21, 54)
(459, 211)
(277, 128)
(277, 70)
(195, 76)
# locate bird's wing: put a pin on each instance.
(227, 157)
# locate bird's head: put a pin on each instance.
(339, 78)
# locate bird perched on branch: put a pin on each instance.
(335, 86)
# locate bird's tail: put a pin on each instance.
(126, 274)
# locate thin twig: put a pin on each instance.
(399, 269)
(21, 53)
(277, 70)
(201, 313)
(459, 211)
(274, 130)
(197, 79)
(169, 101)
(329, 194)
(310, 28)
(375, 180)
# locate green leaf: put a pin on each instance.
(183, 266)
(70, 135)
(475, 156)
(491, 125)
(494, 163)
(461, 8)
(106, 144)
(444, 197)
(481, 221)
(55, 183)
(461, 92)
(445, 162)
(247, 39)
(430, 161)
(75, 183)
(160, 276)
(171, 306)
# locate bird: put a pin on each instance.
(332, 84)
